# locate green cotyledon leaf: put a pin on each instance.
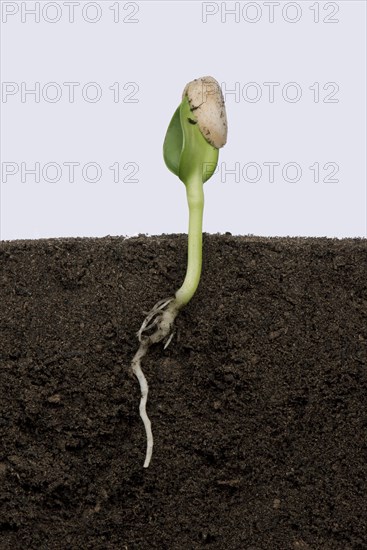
(185, 150)
(173, 143)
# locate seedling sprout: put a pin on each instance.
(197, 131)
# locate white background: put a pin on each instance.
(160, 46)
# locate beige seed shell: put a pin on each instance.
(208, 109)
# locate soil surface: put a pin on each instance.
(258, 405)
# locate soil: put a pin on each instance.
(258, 405)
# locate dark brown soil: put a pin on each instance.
(258, 406)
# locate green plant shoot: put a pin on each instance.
(196, 132)
(190, 157)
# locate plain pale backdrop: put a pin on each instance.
(159, 47)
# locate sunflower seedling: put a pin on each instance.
(197, 131)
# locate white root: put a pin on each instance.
(162, 319)
(143, 348)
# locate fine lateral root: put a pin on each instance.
(153, 317)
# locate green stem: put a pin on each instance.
(195, 200)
